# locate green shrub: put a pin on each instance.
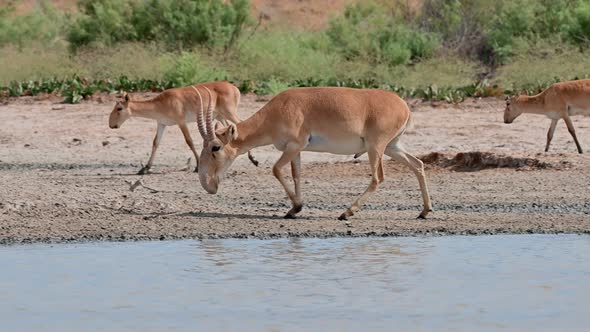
(553, 17)
(42, 24)
(443, 16)
(189, 68)
(365, 31)
(271, 87)
(103, 21)
(514, 19)
(490, 30)
(579, 30)
(178, 24)
(187, 23)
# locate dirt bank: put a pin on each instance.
(64, 176)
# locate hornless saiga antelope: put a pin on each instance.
(559, 101)
(179, 106)
(326, 119)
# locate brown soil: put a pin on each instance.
(65, 176)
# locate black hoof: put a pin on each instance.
(144, 171)
(296, 209)
(196, 169)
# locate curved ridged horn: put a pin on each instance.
(200, 123)
(209, 117)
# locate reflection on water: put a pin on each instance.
(512, 283)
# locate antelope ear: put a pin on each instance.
(232, 131)
(126, 97)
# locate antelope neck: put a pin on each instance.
(145, 109)
(252, 133)
(532, 104)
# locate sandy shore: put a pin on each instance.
(64, 176)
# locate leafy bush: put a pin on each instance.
(42, 24)
(553, 17)
(189, 68)
(514, 19)
(579, 30)
(443, 16)
(365, 31)
(490, 30)
(271, 87)
(178, 24)
(103, 21)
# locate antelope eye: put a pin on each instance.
(215, 148)
(119, 108)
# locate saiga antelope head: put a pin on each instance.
(120, 113)
(512, 110)
(217, 154)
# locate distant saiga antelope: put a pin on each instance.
(334, 120)
(179, 106)
(559, 101)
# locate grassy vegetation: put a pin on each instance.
(537, 64)
(437, 52)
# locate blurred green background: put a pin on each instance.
(267, 46)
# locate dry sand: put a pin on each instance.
(64, 176)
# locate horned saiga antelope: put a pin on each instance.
(327, 119)
(559, 101)
(179, 106)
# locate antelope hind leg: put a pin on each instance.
(398, 153)
(159, 133)
(376, 161)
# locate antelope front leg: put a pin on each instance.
(550, 134)
(159, 133)
(376, 161)
(290, 155)
(189, 141)
(570, 128)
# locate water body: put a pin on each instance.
(484, 283)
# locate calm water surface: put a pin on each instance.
(486, 283)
